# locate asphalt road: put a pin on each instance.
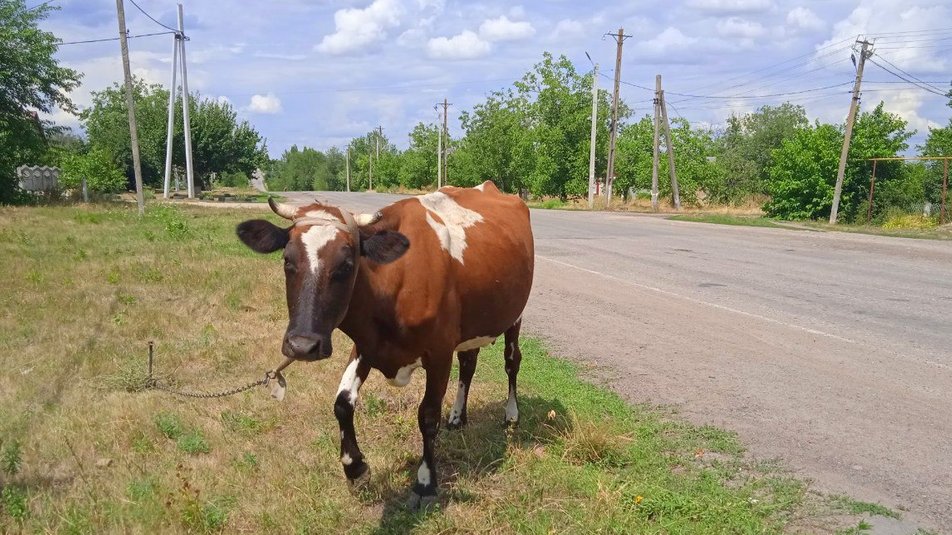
(830, 351)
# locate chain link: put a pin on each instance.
(208, 395)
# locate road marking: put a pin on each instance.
(700, 301)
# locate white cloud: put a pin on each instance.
(732, 6)
(670, 39)
(503, 29)
(738, 27)
(466, 45)
(356, 28)
(568, 28)
(803, 18)
(268, 104)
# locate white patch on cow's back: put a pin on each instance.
(314, 239)
(475, 343)
(402, 378)
(456, 219)
(480, 187)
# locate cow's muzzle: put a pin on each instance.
(308, 346)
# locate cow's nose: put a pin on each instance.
(303, 346)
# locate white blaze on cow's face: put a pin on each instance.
(450, 222)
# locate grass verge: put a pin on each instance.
(85, 449)
(727, 219)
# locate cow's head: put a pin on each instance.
(321, 259)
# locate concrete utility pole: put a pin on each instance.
(669, 142)
(370, 170)
(170, 128)
(378, 133)
(189, 168)
(131, 105)
(591, 150)
(656, 160)
(610, 175)
(347, 166)
(446, 143)
(865, 53)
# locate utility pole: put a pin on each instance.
(656, 160)
(171, 124)
(370, 170)
(379, 133)
(591, 150)
(439, 157)
(675, 192)
(347, 166)
(610, 175)
(189, 168)
(446, 143)
(131, 105)
(864, 54)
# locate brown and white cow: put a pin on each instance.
(412, 284)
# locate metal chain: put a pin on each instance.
(206, 395)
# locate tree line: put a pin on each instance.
(530, 138)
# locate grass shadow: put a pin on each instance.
(477, 451)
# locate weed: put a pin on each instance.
(247, 462)
(34, 276)
(726, 219)
(14, 502)
(11, 459)
(857, 507)
(374, 404)
(130, 375)
(241, 423)
(113, 276)
(126, 299)
(192, 442)
(169, 425)
(141, 489)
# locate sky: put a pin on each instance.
(319, 73)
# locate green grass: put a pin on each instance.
(582, 460)
(727, 219)
(857, 507)
(939, 233)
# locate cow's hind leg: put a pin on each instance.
(513, 359)
(355, 468)
(467, 367)
(428, 417)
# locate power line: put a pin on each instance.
(151, 17)
(730, 97)
(894, 73)
(904, 72)
(107, 39)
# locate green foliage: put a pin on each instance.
(169, 424)
(235, 179)
(99, 170)
(13, 501)
(11, 458)
(30, 79)
(802, 174)
(306, 169)
(193, 442)
(220, 142)
(418, 165)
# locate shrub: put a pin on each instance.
(101, 173)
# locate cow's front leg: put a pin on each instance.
(428, 416)
(355, 468)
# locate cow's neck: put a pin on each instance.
(360, 323)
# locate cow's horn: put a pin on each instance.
(286, 211)
(367, 219)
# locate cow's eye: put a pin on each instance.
(344, 270)
(289, 266)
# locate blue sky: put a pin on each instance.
(318, 73)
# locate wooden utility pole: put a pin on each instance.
(370, 170)
(865, 53)
(379, 133)
(189, 168)
(610, 175)
(347, 166)
(439, 153)
(446, 143)
(170, 128)
(656, 159)
(591, 150)
(669, 143)
(945, 188)
(131, 105)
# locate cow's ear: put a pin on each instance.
(262, 236)
(384, 246)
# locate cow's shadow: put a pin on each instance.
(478, 450)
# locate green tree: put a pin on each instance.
(220, 142)
(418, 169)
(938, 143)
(31, 80)
(97, 167)
(799, 176)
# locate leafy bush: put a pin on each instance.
(101, 173)
(910, 222)
(800, 175)
(236, 179)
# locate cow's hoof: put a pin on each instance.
(510, 424)
(420, 503)
(361, 481)
(454, 425)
